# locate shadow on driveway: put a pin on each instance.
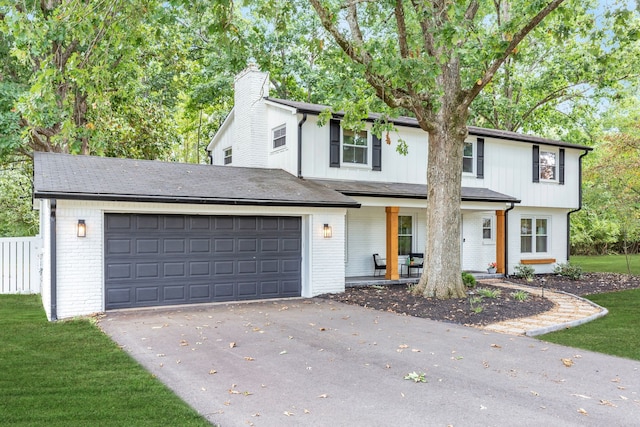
(321, 363)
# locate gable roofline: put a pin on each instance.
(316, 109)
(225, 124)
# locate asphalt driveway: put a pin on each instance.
(321, 363)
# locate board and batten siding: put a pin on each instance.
(80, 261)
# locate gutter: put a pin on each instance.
(579, 204)
(300, 123)
(53, 262)
(506, 239)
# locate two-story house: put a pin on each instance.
(286, 209)
(518, 190)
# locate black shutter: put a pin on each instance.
(334, 143)
(377, 153)
(536, 163)
(480, 158)
(561, 169)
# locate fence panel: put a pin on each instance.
(20, 265)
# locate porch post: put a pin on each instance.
(392, 242)
(500, 243)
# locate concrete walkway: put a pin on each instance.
(569, 311)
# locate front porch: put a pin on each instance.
(355, 281)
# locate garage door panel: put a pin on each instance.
(155, 260)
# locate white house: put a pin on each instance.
(286, 209)
(518, 190)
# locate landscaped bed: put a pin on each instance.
(471, 310)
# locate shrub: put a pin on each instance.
(572, 271)
(520, 295)
(523, 271)
(468, 280)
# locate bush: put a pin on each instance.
(468, 280)
(523, 271)
(572, 271)
(489, 293)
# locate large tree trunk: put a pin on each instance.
(441, 278)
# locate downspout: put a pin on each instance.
(506, 239)
(53, 261)
(300, 123)
(579, 204)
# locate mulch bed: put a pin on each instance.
(399, 299)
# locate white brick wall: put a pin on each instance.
(80, 278)
(251, 140)
(476, 252)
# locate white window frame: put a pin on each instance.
(366, 147)
(534, 234)
(282, 137)
(491, 229)
(411, 235)
(473, 158)
(227, 154)
(556, 156)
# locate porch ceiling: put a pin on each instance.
(409, 191)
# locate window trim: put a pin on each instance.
(491, 239)
(556, 155)
(412, 235)
(534, 234)
(227, 155)
(367, 147)
(473, 158)
(283, 137)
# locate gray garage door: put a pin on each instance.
(153, 260)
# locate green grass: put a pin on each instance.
(617, 333)
(70, 373)
(607, 263)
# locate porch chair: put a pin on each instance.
(379, 264)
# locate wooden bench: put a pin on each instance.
(538, 261)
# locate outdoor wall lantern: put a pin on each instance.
(82, 228)
(327, 231)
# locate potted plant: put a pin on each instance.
(492, 268)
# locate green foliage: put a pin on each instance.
(17, 217)
(617, 333)
(572, 271)
(54, 372)
(489, 293)
(520, 295)
(468, 280)
(417, 377)
(475, 304)
(523, 271)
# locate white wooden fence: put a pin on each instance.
(20, 265)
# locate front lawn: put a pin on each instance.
(70, 373)
(617, 333)
(607, 263)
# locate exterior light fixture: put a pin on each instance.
(327, 231)
(82, 228)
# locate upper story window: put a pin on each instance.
(467, 158)
(548, 162)
(280, 136)
(355, 147)
(227, 155)
(405, 235)
(534, 235)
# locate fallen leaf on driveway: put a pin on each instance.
(582, 411)
(607, 403)
(567, 362)
(183, 343)
(306, 411)
(232, 344)
(213, 371)
(249, 358)
(496, 346)
(323, 396)
(288, 414)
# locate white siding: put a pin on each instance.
(80, 273)
(285, 157)
(45, 232)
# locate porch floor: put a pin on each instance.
(355, 281)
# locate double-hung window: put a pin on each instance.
(548, 162)
(227, 155)
(534, 235)
(467, 158)
(355, 147)
(280, 136)
(405, 235)
(487, 229)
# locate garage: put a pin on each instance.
(154, 260)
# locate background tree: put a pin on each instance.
(433, 59)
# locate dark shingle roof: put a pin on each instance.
(66, 176)
(305, 107)
(409, 191)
